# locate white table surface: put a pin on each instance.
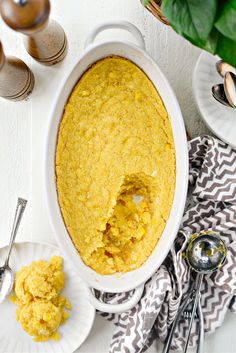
(23, 126)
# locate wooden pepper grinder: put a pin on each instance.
(44, 39)
(16, 79)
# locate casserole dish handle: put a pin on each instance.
(115, 25)
(115, 308)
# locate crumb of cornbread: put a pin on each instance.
(40, 308)
(115, 166)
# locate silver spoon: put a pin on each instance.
(222, 68)
(6, 273)
(206, 253)
(218, 93)
(230, 88)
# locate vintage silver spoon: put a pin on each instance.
(206, 253)
(218, 93)
(6, 273)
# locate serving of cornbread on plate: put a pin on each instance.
(115, 166)
(49, 302)
(37, 295)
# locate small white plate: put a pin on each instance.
(81, 317)
(220, 119)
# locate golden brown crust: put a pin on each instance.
(115, 143)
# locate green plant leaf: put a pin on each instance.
(193, 19)
(226, 49)
(211, 43)
(212, 40)
(226, 23)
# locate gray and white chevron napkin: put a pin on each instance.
(211, 204)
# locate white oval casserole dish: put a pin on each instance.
(135, 279)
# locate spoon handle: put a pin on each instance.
(195, 304)
(21, 204)
(201, 327)
(183, 306)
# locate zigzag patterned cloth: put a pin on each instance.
(212, 204)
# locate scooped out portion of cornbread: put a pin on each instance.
(40, 307)
(115, 166)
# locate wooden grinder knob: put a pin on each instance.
(16, 79)
(44, 39)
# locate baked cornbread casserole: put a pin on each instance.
(115, 166)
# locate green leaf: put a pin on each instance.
(211, 43)
(226, 23)
(193, 19)
(226, 49)
(212, 40)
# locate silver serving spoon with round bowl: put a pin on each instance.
(6, 273)
(205, 253)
